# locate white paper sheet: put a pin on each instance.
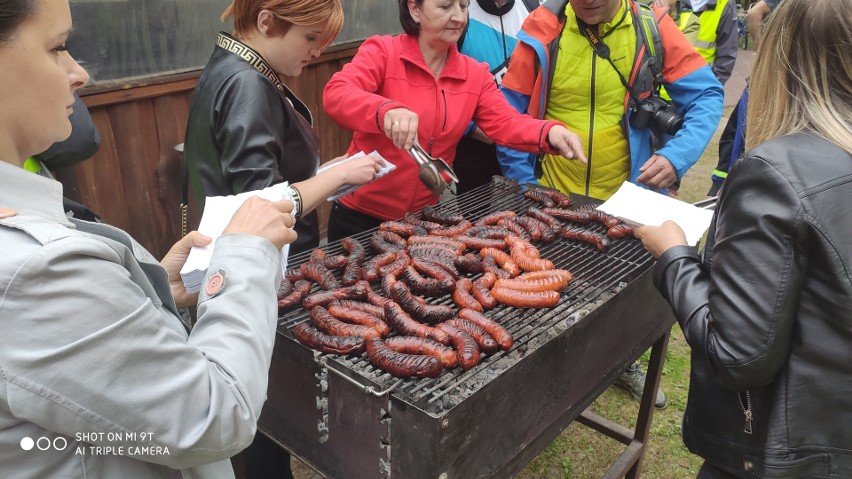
(346, 189)
(646, 207)
(218, 211)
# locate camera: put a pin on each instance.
(656, 113)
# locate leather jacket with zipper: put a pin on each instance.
(767, 311)
(245, 134)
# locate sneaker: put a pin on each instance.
(633, 380)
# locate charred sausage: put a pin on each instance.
(495, 330)
(316, 339)
(401, 364)
(466, 347)
(417, 345)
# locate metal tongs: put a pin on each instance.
(435, 173)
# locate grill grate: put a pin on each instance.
(597, 277)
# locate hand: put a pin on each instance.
(264, 218)
(360, 170)
(400, 125)
(174, 261)
(658, 239)
(657, 173)
(566, 142)
(7, 213)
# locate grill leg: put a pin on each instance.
(646, 406)
(629, 463)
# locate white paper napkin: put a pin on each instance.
(218, 211)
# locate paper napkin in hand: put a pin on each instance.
(646, 207)
(218, 211)
(346, 189)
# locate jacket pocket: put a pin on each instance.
(815, 466)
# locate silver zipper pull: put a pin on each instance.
(748, 418)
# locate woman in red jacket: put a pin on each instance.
(417, 87)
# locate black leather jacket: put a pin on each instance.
(245, 134)
(767, 311)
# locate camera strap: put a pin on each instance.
(603, 51)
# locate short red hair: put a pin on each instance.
(287, 12)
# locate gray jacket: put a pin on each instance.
(767, 312)
(98, 376)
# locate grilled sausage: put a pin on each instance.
(453, 230)
(536, 195)
(381, 245)
(426, 286)
(300, 290)
(322, 298)
(316, 339)
(462, 296)
(475, 242)
(330, 325)
(482, 290)
(486, 343)
(399, 228)
(285, 288)
(494, 218)
(489, 265)
(370, 268)
(516, 228)
(525, 299)
(405, 325)
(578, 234)
(527, 262)
(352, 272)
(413, 220)
(495, 330)
(575, 216)
(469, 263)
(431, 214)
(401, 364)
(559, 197)
(417, 345)
(402, 260)
(543, 217)
(378, 311)
(621, 230)
(466, 347)
(547, 283)
(357, 316)
(428, 313)
(316, 272)
(502, 259)
(450, 242)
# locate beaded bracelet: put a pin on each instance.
(297, 202)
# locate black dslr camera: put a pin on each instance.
(655, 113)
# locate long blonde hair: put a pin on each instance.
(287, 12)
(802, 77)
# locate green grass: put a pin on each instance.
(580, 453)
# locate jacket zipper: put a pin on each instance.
(444, 99)
(591, 125)
(747, 412)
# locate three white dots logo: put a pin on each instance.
(43, 443)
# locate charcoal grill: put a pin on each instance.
(348, 419)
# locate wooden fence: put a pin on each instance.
(134, 180)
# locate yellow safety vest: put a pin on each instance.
(706, 43)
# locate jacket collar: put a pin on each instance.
(31, 194)
(253, 58)
(454, 68)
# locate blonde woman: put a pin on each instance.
(767, 306)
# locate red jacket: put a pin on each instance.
(390, 72)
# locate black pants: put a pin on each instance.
(343, 222)
(475, 164)
(263, 459)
